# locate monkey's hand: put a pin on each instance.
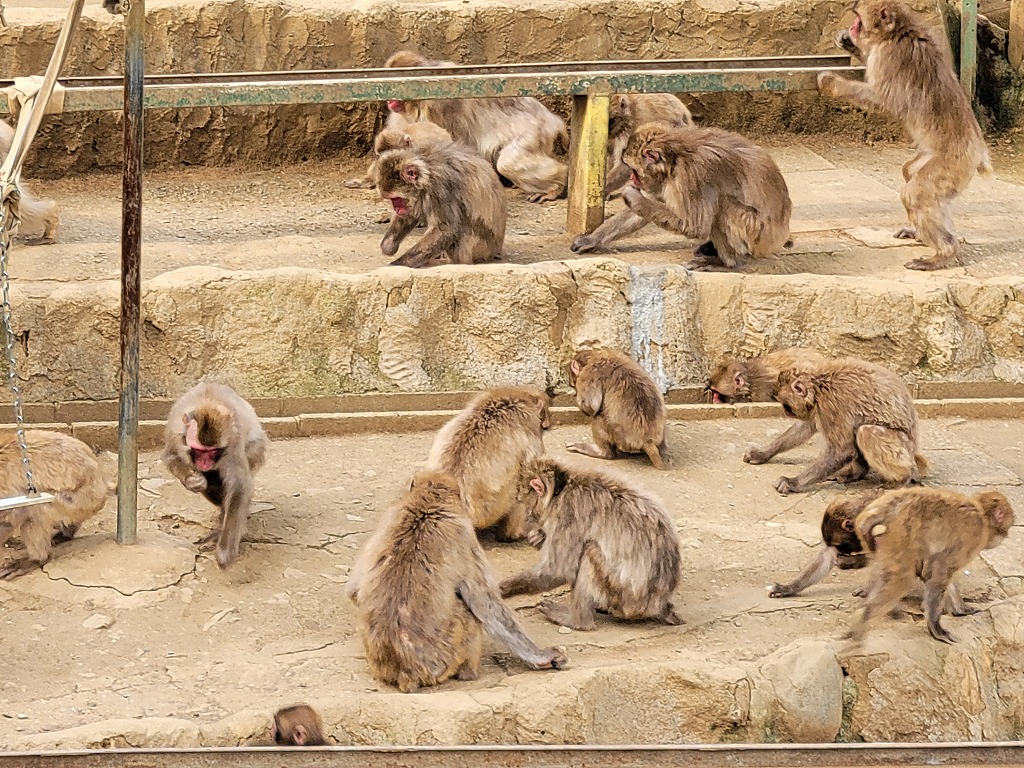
(754, 455)
(826, 82)
(389, 246)
(780, 590)
(195, 482)
(582, 244)
(535, 538)
(786, 485)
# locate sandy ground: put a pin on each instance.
(179, 637)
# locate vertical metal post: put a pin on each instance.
(969, 47)
(131, 280)
(588, 146)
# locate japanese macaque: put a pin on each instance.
(864, 412)
(213, 444)
(424, 591)
(703, 183)
(516, 134)
(625, 404)
(115, 7)
(909, 75)
(755, 380)
(298, 726)
(455, 192)
(416, 134)
(62, 466)
(626, 113)
(927, 534)
(485, 447)
(614, 543)
(36, 215)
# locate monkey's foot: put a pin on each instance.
(589, 449)
(359, 184)
(556, 660)
(927, 265)
(754, 456)
(941, 634)
(705, 264)
(543, 197)
(18, 568)
(535, 538)
(195, 482)
(905, 232)
(226, 556)
(562, 616)
(780, 590)
(786, 485)
(209, 538)
(582, 244)
(467, 672)
(964, 610)
(859, 592)
(670, 617)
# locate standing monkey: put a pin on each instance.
(626, 113)
(756, 380)
(213, 444)
(909, 75)
(61, 465)
(485, 447)
(614, 543)
(35, 214)
(926, 534)
(625, 404)
(424, 589)
(298, 726)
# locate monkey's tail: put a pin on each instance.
(985, 166)
(923, 465)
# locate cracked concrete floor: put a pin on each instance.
(158, 630)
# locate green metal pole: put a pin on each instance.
(969, 47)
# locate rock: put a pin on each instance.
(806, 682)
(98, 621)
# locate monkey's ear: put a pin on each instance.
(884, 16)
(652, 156)
(406, 140)
(799, 388)
(848, 526)
(410, 172)
(299, 735)
(538, 485)
(739, 380)
(186, 418)
(574, 366)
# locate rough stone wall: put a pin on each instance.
(295, 332)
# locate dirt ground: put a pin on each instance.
(158, 630)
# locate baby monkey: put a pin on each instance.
(614, 543)
(756, 379)
(298, 726)
(927, 534)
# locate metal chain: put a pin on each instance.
(8, 226)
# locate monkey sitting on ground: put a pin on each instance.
(35, 214)
(614, 543)
(516, 134)
(625, 404)
(298, 726)
(926, 534)
(626, 113)
(213, 444)
(62, 466)
(864, 412)
(702, 183)
(485, 448)
(458, 195)
(755, 380)
(423, 588)
(909, 75)
(416, 134)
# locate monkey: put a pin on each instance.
(755, 380)
(61, 465)
(909, 75)
(458, 195)
(425, 593)
(415, 134)
(626, 112)
(614, 543)
(625, 404)
(485, 447)
(704, 183)
(866, 415)
(927, 534)
(116, 7)
(213, 444)
(298, 726)
(516, 134)
(35, 214)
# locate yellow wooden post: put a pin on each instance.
(1017, 33)
(588, 146)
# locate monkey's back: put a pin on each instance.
(632, 407)
(489, 125)
(874, 393)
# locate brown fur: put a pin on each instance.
(625, 404)
(703, 183)
(909, 75)
(516, 134)
(406, 134)
(866, 415)
(756, 379)
(424, 589)
(298, 726)
(626, 113)
(485, 447)
(36, 215)
(62, 466)
(614, 543)
(455, 192)
(220, 419)
(927, 534)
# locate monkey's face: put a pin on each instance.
(205, 437)
(728, 383)
(796, 394)
(402, 178)
(645, 156)
(873, 21)
(837, 526)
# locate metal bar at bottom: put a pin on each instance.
(131, 276)
(587, 150)
(969, 47)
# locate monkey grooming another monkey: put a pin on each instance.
(864, 412)
(625, 404)
(702, 183)
(516, 134)
(927, 534)
(614, 543)
(62, 466)
(485, 448)
(35, 214)
(213, 444)
(755, 380)
(423, 588)
(416, 134)
(458, 195)
(626, 113)
(909, 74)
(298, 726)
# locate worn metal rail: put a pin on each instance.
(967, 755)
